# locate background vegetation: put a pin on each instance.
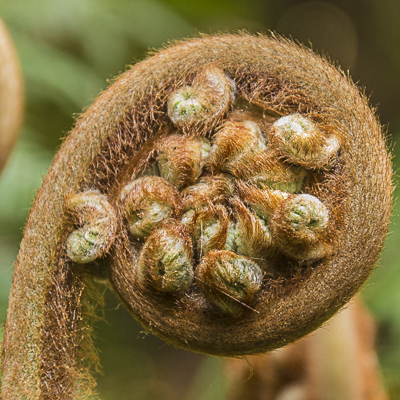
(68, 51)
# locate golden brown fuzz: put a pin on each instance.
(252, 191)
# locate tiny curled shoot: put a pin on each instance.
(301, 142)
(207, 100)
(299, 226)
(92, 211)
(166, 260)
(147, 202)
(237, 190)
(228, 280)
(181, 159)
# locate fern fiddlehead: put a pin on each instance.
(245, 188)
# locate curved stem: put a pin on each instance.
(41, 341)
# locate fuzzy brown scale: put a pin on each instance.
(216, 274)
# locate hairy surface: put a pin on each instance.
(121, 137)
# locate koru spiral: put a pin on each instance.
(234, 190)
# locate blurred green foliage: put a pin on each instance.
(70, 48)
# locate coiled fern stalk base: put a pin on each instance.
(237, 190)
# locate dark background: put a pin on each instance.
(70, 48)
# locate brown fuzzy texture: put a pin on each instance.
(202, 219)
(143, 195)
(11, 95)
(254, 241)
(263, 202)
(213, 91)
(106, 147)
(300, 240)
(317, 149)
(95, 218)
(230, 141)
(267, 173)
(151, 266)
(180, 159)
(223, 284)
(209, 191)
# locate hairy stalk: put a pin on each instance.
(198, 255)
(11, 95)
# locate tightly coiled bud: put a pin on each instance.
(301, 142)
(181, 159)
(204, 103)
(234, 142)
(274, 187)
(228, 280)
(166, 260)
(92, 211)
(148, 201)
(300, 227)
(271, 224)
